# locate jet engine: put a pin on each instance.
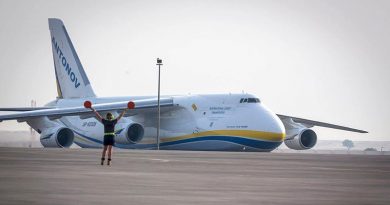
(129, 133)
(57, 137)
(305, 139)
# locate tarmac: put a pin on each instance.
(74, 176)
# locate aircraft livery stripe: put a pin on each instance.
(257, 144)
(59, 91)
(238, 140)
(249, 140)
(89, 138)
(251, 134)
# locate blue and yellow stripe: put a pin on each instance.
(228, 140)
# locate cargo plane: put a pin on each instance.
(218, 122)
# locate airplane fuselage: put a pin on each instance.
(229, 122)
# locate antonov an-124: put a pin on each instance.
(218, 122)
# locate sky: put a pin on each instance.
(322, 60)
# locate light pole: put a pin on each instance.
(159, 63)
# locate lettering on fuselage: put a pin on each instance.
(89, 124)
(65, 64)
(219, 110)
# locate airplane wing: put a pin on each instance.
(140, 106)
(21, 109)
(310, 123)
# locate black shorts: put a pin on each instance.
(109, 140)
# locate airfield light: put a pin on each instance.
(159, 63)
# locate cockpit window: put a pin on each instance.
(249, 100)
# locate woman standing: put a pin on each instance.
(109, 133)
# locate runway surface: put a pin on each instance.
(74, 176)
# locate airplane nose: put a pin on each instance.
(279, 127)
(270, 122)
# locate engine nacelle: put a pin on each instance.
(129, 133)
(306, 139)
(57, 137)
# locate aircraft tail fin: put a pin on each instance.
(72, 82)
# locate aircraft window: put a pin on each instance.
(253, 100)
(249, 100)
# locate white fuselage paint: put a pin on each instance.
(199, 122)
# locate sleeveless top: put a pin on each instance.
(109, 126)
